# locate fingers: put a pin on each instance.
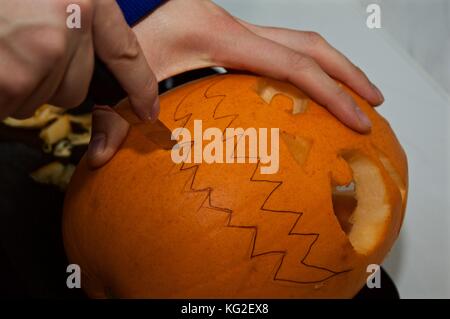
(57, 62)
(109, 130)
(22, 73)
(13, 80)
(331, 60)
(278, 61)
(125, 58)
(74, 84)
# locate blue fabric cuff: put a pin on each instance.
(135, 10)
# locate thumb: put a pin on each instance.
(109, 130)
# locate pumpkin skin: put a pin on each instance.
(143, 226)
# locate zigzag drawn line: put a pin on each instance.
(292, 233)
(189, 115)
(208, 199)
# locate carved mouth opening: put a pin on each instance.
(361, 207)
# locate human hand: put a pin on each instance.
(182, 35)
(44, 61)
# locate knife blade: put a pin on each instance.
(104, 89)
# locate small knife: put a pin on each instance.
(104, 89)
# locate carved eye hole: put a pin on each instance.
(344, 204)
(361, 207)
(267, 89)
(393, 174)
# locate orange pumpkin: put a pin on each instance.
(144, 226)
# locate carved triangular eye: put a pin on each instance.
(298, 147)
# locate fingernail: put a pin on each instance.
(97, 144)
(145, 115)
(380, 95)
(363, 119)
(154, 112)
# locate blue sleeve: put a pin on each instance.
(135, 10)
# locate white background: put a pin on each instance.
(396, 58)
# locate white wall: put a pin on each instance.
(422, 28)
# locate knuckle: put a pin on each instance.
(51, 44)
(314, 38)
(340, 94)
(129, 49)
(133, 47)
(358, 72)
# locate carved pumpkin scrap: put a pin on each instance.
(144, 226)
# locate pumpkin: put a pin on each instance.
(145, 226)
